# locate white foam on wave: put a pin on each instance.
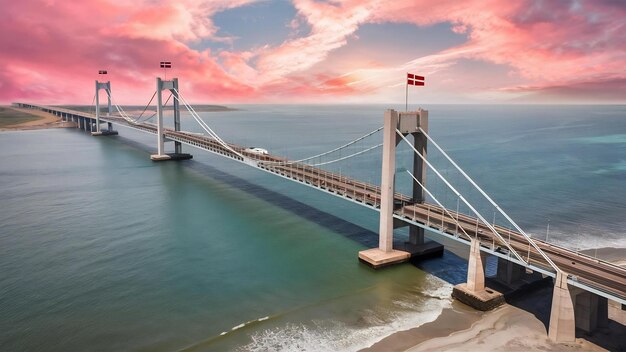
(586, 239)
(331, 335)
(237, 327)
(442, 291)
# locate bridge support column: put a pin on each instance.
(385, 254)
(475, 269)
(416, 235)
(509, 272)
(562, 321)
(107, 88)
(172, 86)
(178, 147)
(474, 293)
(590, 311)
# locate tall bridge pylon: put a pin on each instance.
(172, 86)
(408, 123)
(107, 88)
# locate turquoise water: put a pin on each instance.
(102, 249)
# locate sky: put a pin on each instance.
(316, 51)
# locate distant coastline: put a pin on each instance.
(139, 109)
(18, 119)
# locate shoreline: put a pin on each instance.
(44, 121)
(518, 325)
(457, 317)
(459, 328)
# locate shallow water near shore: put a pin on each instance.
(102, 249)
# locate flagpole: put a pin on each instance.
(414, 80)
(406, 98)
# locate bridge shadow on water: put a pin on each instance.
(450, 267)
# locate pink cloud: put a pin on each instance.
(546, 43)
(50, 50)
(56, 61)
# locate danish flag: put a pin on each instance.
(414, 80)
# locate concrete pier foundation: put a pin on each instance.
(419, 247)
(473, 292)
(170, 156)
(104, 133)
(377, 258)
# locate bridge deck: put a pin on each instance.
(588, 272)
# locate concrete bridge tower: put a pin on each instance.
(408, 123)
(172, 86)
(98, 132)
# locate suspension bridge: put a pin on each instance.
(582, 284)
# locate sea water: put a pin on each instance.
(103, 249)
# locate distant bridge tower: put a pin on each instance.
(172, 86)
(107, 88)
(407, 123)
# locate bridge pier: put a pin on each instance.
(385, 254)
(562, 326)
(574, 308)
(172, 86)
(473, 292)
(590, 311)
(510, 273)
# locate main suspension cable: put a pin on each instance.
(325, 153)
(347, 156)
(204, 125)
(146, 108)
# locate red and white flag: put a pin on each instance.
(414, 80)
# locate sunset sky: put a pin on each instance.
(305, 51)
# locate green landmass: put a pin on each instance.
(10, 117)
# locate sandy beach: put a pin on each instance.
(44, 120)
(519, 325)
(506, 328)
